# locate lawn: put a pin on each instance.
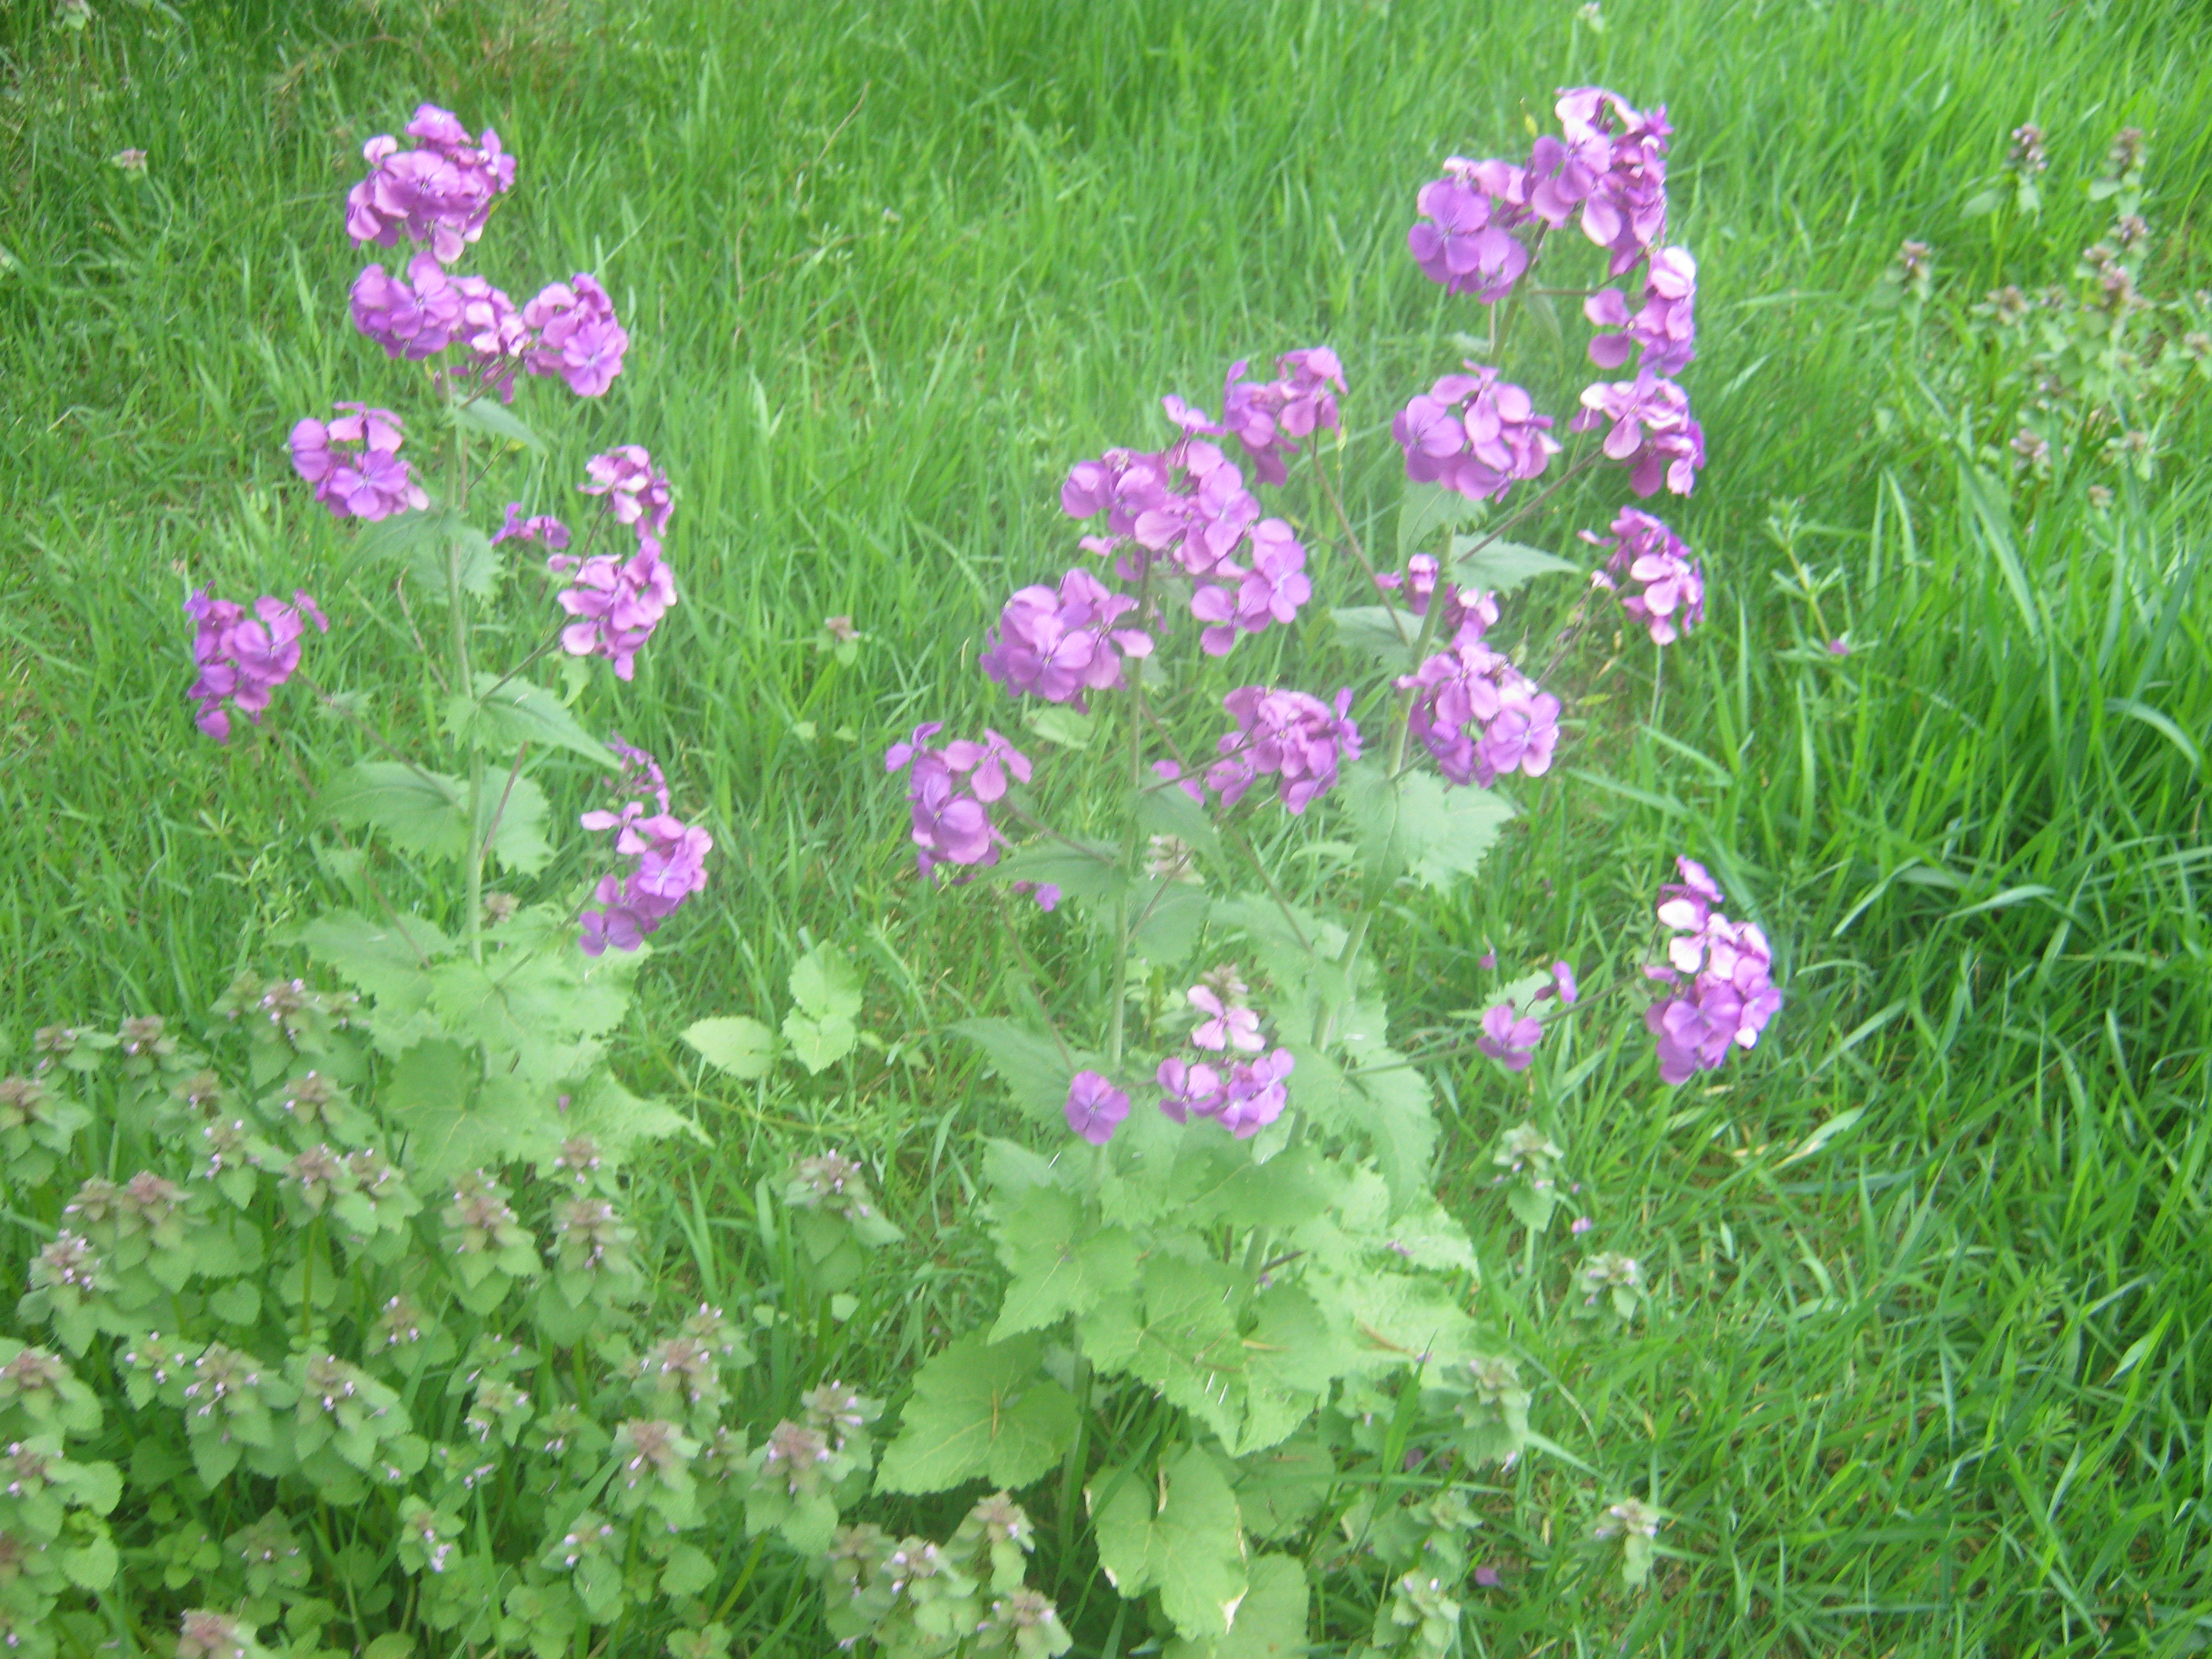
(1927, 1362)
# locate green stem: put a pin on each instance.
(457, 603)
(1118, 1033)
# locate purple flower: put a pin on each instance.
(1480, 716)
(1265, 416)
(1095, 1107)
(578, 337)
(1462, 238)
(353, 463)
(543, 528)
(1731, 995)
(245, 659)
(635, 493)
(1228, 1023)
(639, 772)
(1188, 1090)
(441, 193)
(1059, 645)
(414, 320)
(1624, 210)
(1563, 981)
(1268, 589)
(1651, 431)
(670, 867)
(1297, 739)
(1253, 1096)
(949, 790)
(1470, 615)
(1671, 598)
(1473, 433)
(1665, 329)
(617, 603)
(1121, 485)
(1509, 1037)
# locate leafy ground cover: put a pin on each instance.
(1923, 1367)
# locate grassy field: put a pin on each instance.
(1939, 1382)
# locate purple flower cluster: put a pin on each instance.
(1059, 645)
(577, 335)
(1464, 238)
(355, 465)
(1264, 416)
(1672, 599)
(1665, 331)
(243, 658)
(1473, 433)
(1730, 994)
(541, 527)
(671, 866)
(1650, 430)
(1480, 716)
(1244, 1102)
(440, 193)
(1095, 1107)
(950, 790)
(617, 601)
(1510, 1035)
(1297, 739)
(1468, 615)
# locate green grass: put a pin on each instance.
(1940, 1386)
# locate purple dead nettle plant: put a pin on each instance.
(609, 580)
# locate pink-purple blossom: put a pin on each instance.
(542, 528)
(1509, 1037)
(635, 491)
(1473, 433)
(1228, 1023)
(1253, 1096)
(1266, 415)
(440, 193)
(1719, 973)
(242, 658)
(618, 603)
(577, 335)
(1648, 429)
(1670, 598)
(1480, 716)
(1625, 208)
(1060, 644)
(1270, 588)
(1467, 615)
(950, 792)
(1187, 1088)
(1463, 238)
(1095, 1107)
(670, 866)
(1293, 737)
(354, 465)
(1664, 329)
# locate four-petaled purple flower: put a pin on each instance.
(1625, 210)
(355, 465)
(1059, 645)
(1473, 433)
(541, 527)
(670, 866)
(637, 492)
(1254, 1095)
(1509, 1036)
(1649, 430)
(1095, 1107)
(1480, 716)
(1730, 993)
(1672, 599)
(950, 791)
(440, 193)
(1228, 1023)
(1665, 329)
(1468, 615)
(1298, 739)
(618, 603)
(1265, 416)
(244, 658)
(577, 335)
(1463, 238)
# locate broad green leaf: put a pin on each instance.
(91, 1566)
(419, 812)
(534, 1008)
(1057, 1269)
(1170, 917)
(1036, 1070)
(618, 1120)
(744, 1047)
(1479, 562)
(495, 420)
(823, 984)
(980, 1409)
(1424, 511)
(1178, 1333)
(1091, 873)
(389, 958)
(1416, 824)
(690, 1570)
(1271, 1619)
(516, 825)
(451, 1124)
(819, 1043)
(425, 543)
(1382, 632)
(1169, 812)
(1215, 1179)
(1192, 1551)
(1278, 1490)
(1057, 724)
(502, 716)
(1388, 1104)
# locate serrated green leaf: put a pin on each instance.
(1170, 918)
(1177, 1333)
(732, 1043)
(1381, 632)
(1192, 1551)
(1059, 724)
(425, 542)
(823, 983)
(388, 959)
(1169, 812)
(1426, 509)
(980, 1409)
(1271, 1619)
(1416, 824)
(1981, 202)
(1478, 562)
(91, 1566)
(690, 1570)
(1036, 1070)
(1059, 1268)
(1091, 873)
(618, 1120)
(819, 1043)
(503, 715)
(495, 420)
(419, 812)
